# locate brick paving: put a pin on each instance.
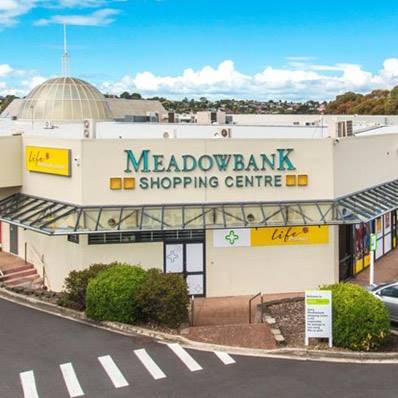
(229, 310)
(255, 335)
(386, 270)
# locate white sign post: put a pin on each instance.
(318, 315)
(372, 249)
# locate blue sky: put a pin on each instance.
(261, 49)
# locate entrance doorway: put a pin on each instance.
(345, 252)
(13, 239)
(187, 259)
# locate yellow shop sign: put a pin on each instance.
(281, 236)
(48, 160)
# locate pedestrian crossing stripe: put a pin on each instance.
(113, 371)
(71, 381)
(185, 357)
(75, 390)
(149, 364)
(29, 384)
(225, 358)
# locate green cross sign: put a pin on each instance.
(231, 237)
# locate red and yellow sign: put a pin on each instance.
(48, 160)
(282, 236)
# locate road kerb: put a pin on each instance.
(130, 330)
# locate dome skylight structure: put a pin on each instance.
(65, 99)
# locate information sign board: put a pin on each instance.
(318, 315)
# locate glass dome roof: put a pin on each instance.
(65, 99)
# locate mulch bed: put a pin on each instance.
(289, 316)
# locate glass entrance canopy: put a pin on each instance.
(57, 218)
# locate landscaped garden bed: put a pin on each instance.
(290, 319)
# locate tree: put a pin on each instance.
(6, 101)
(125, 95)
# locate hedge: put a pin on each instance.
(75, 286)
(360, 321)
(111, 295)
(163, 299)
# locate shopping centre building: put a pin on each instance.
(236, 209)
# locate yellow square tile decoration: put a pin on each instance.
(302, 180)
(129, 183)
(115, 183)
(291, 180)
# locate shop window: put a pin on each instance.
(361, 246)
(74, 238)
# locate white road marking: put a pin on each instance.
(225, 358)
(29, 384)
(113, 371)
(149, 364)
(189, 362)
(71, 381)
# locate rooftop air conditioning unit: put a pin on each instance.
(344, 128)
(89, 128)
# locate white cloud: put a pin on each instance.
(11, 10)
(97, 18)
(310, 81)
(82, 3)
(5, 70)
(224, 81)
(29, 84)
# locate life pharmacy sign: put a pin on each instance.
(318, 315)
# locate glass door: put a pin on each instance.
(188, 260)
(194, 267)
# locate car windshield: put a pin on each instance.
(373, 288)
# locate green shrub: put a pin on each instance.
(163, 299)
(360, 321)
(75, 286)
(111, 295)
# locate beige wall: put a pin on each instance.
(106, 158)
(10, 161)
(147, 255)
(66, 189)
(61, 256)
(229, 271)
(5, 236)
(270, 269)
(334, 169)
(362, 162)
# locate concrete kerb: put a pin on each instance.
(162, 337)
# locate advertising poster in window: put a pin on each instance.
(387, 233)
(361, 246)
(379, 227)
(379, 236)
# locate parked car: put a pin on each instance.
(388, 293)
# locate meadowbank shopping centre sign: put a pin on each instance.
(235, 170)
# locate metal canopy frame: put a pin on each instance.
(58, 218)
